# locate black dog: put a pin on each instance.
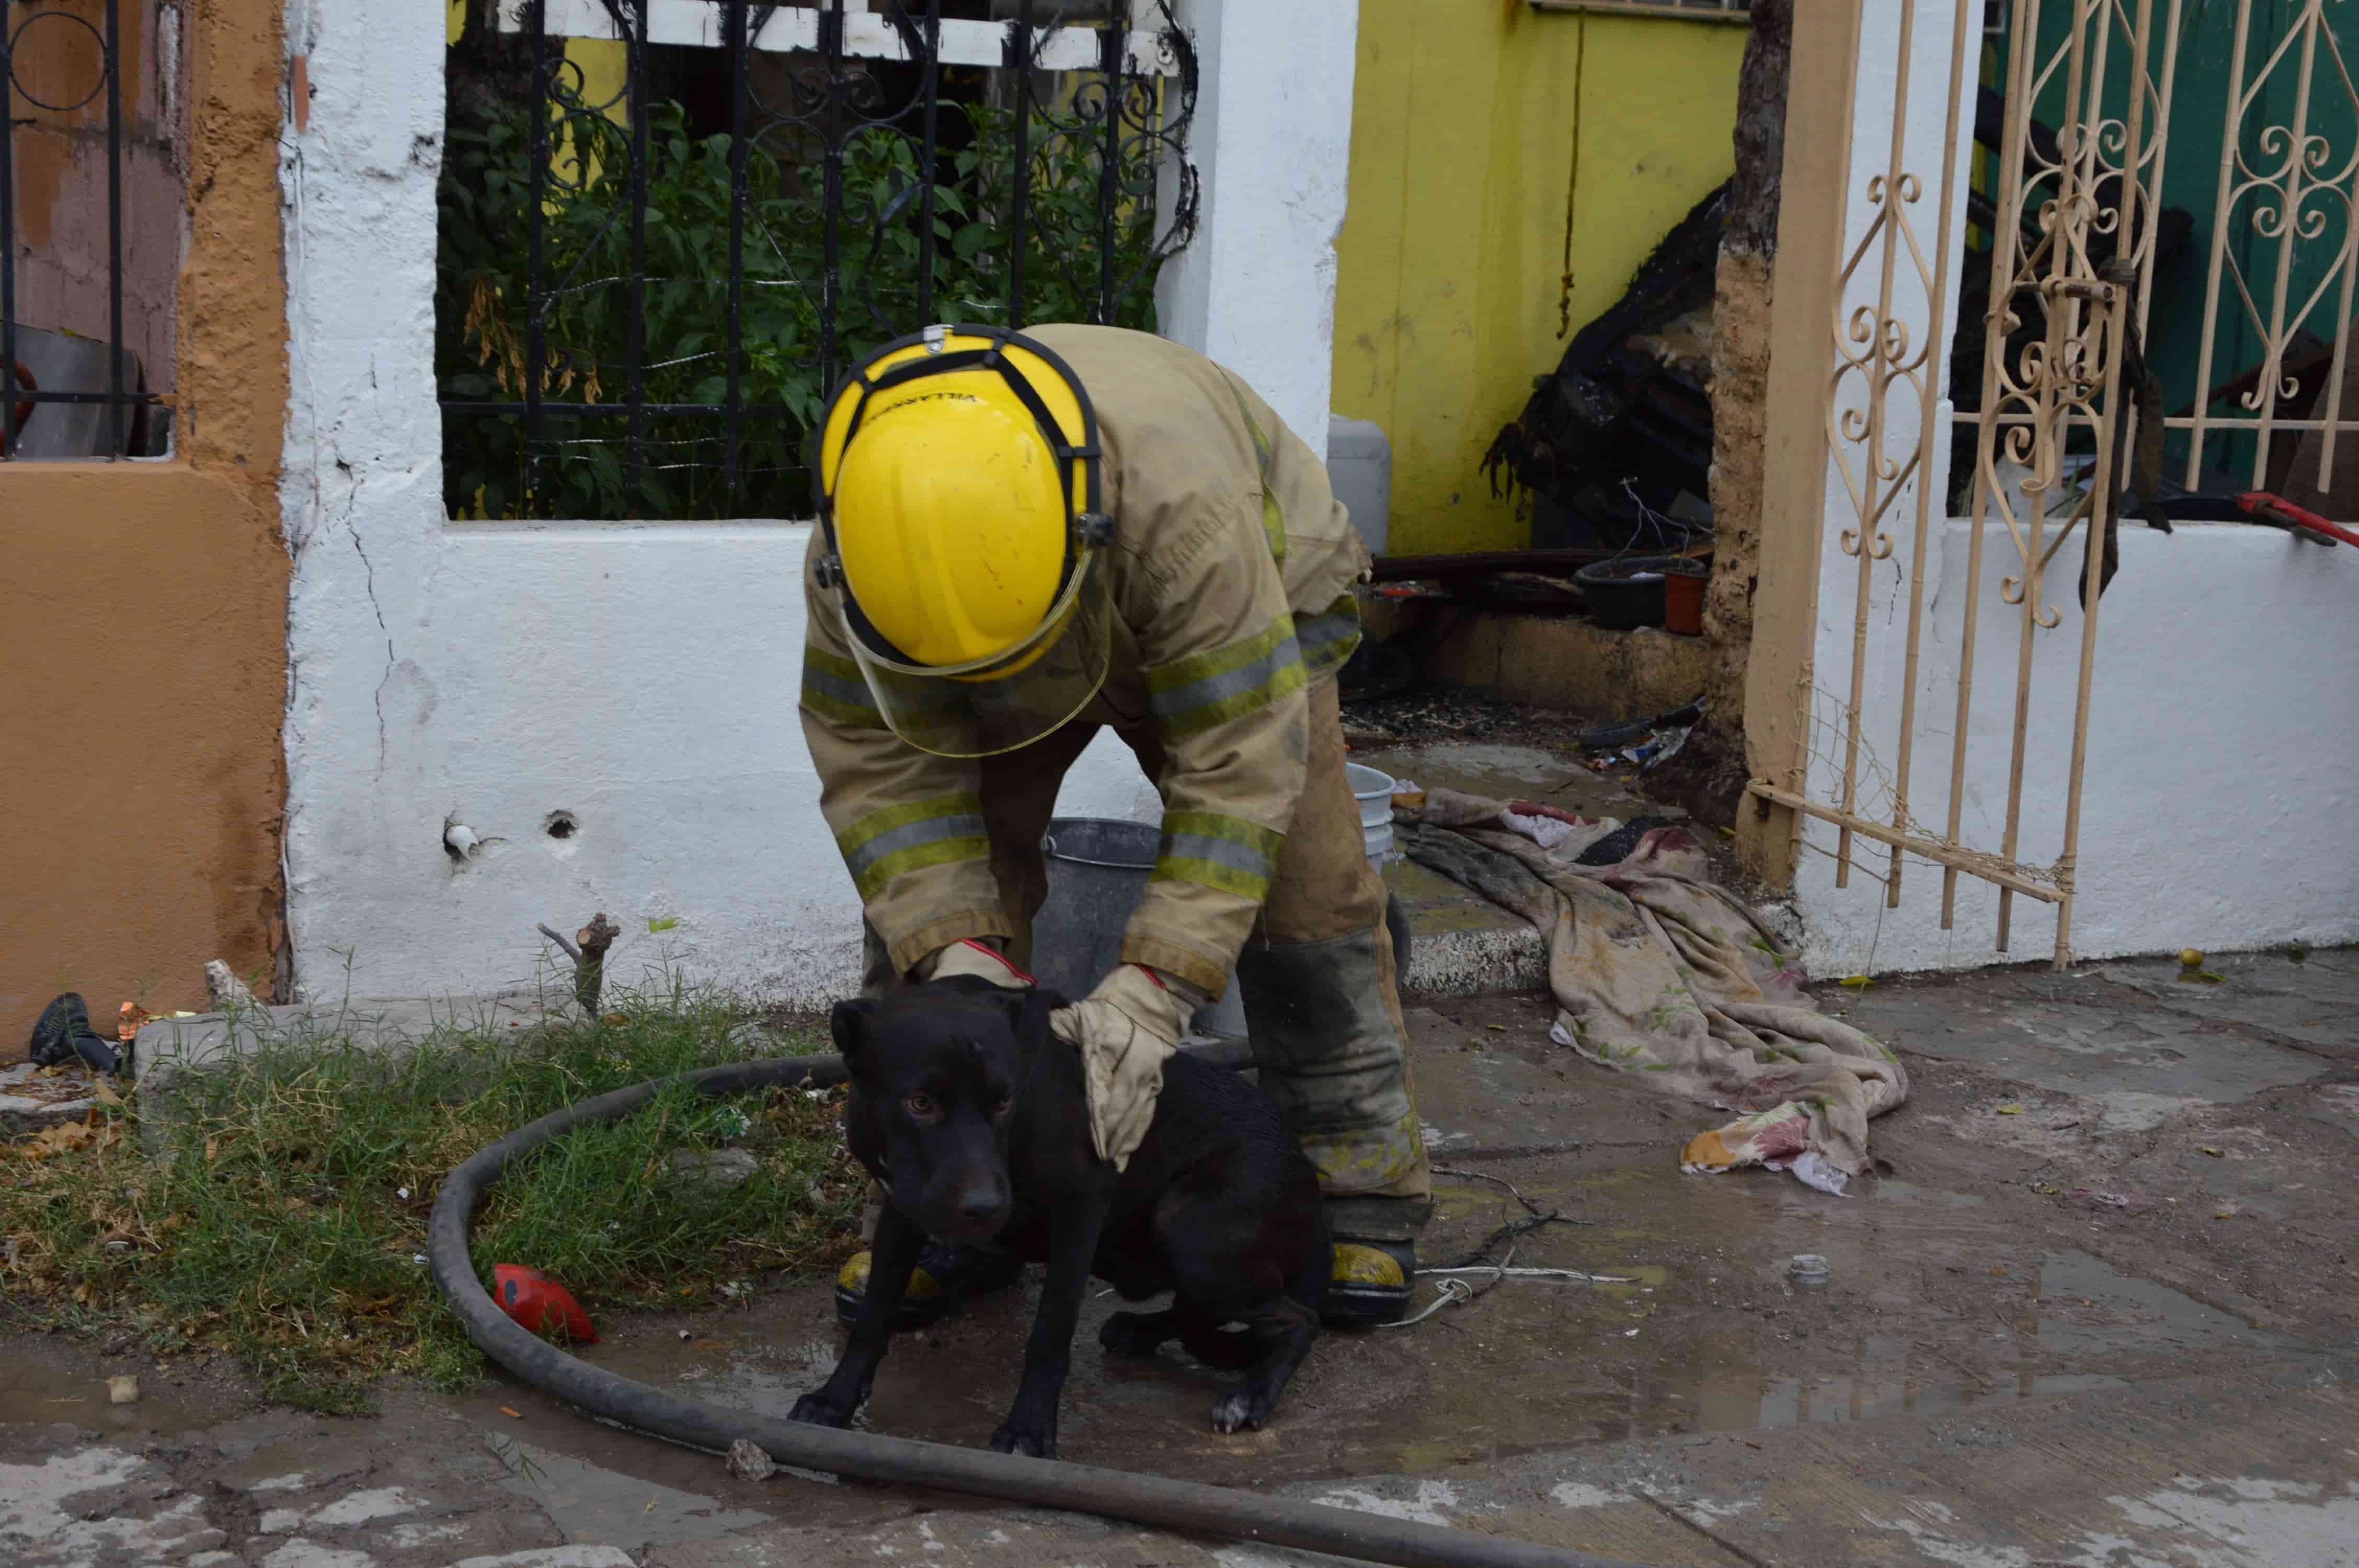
(975, 1119)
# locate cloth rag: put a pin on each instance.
(1660, 972)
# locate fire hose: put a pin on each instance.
(1116, 1494)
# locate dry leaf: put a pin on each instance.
(128, 1019)
(1857, 982)
(104, 1093)
(2010, 1111)
(57, 1139)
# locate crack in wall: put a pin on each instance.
(369, 571)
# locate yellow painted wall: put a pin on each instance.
(1474, 124)
(603, 63)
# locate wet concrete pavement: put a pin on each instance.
(2093, 1307)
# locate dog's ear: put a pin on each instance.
(849, 1023)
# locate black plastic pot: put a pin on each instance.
(1627, 593)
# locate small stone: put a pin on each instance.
(725, 1167)
(748, 1461)
(227, 990)
(123, 1391)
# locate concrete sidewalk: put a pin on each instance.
(2093, 1307)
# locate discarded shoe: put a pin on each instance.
(946, 1277)
(63, 1033)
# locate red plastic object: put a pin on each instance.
(25, 383)
(2283, 513)
(539, 1302)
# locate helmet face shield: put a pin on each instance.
(1007, 701)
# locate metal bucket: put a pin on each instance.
(1097, 869)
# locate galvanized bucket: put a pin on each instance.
(1097, 869)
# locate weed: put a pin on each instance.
(277, 1209)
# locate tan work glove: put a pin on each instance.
(972, 957)
(1127, 1029)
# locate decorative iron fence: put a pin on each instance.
(643, 301)
(2155, 315)
(62, 98)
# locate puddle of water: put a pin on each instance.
(2136, 1314)
(1720, 1376)
(1892, 1190)
(1934, 1311)
(595, 1506)
(738, 1370)
(39, 1393)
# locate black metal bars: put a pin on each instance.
(20, 396)
(803, 183)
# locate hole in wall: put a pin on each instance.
(559, 825)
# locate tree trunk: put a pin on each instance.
(1761, 129)
(1708, 777)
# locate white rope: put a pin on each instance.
(1452, 1290)
(1499, 1272)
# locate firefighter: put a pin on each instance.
(1024, 537)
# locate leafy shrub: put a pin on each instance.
(583, 468)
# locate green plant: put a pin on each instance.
(277, 1209)
(584, 467)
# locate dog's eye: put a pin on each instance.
(921, 1107)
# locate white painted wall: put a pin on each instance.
(2220, 751)
(640, 677)
(2219, 777)
(1257, 289)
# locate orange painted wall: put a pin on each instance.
(144, 606)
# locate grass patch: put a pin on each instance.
(278, 1211)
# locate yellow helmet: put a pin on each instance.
(958, 483)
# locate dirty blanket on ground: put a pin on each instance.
(1660, 972)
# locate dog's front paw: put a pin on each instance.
(819, 1409)
(1240, 1412)
(1036, 1439)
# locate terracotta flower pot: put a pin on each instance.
(1683, 598)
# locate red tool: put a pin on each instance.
(2280, 512)
(539, 1302)
(25, 383)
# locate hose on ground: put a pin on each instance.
(1045, 1483)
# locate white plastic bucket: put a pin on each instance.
(1374, 791)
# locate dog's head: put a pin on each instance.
(936, 1069)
